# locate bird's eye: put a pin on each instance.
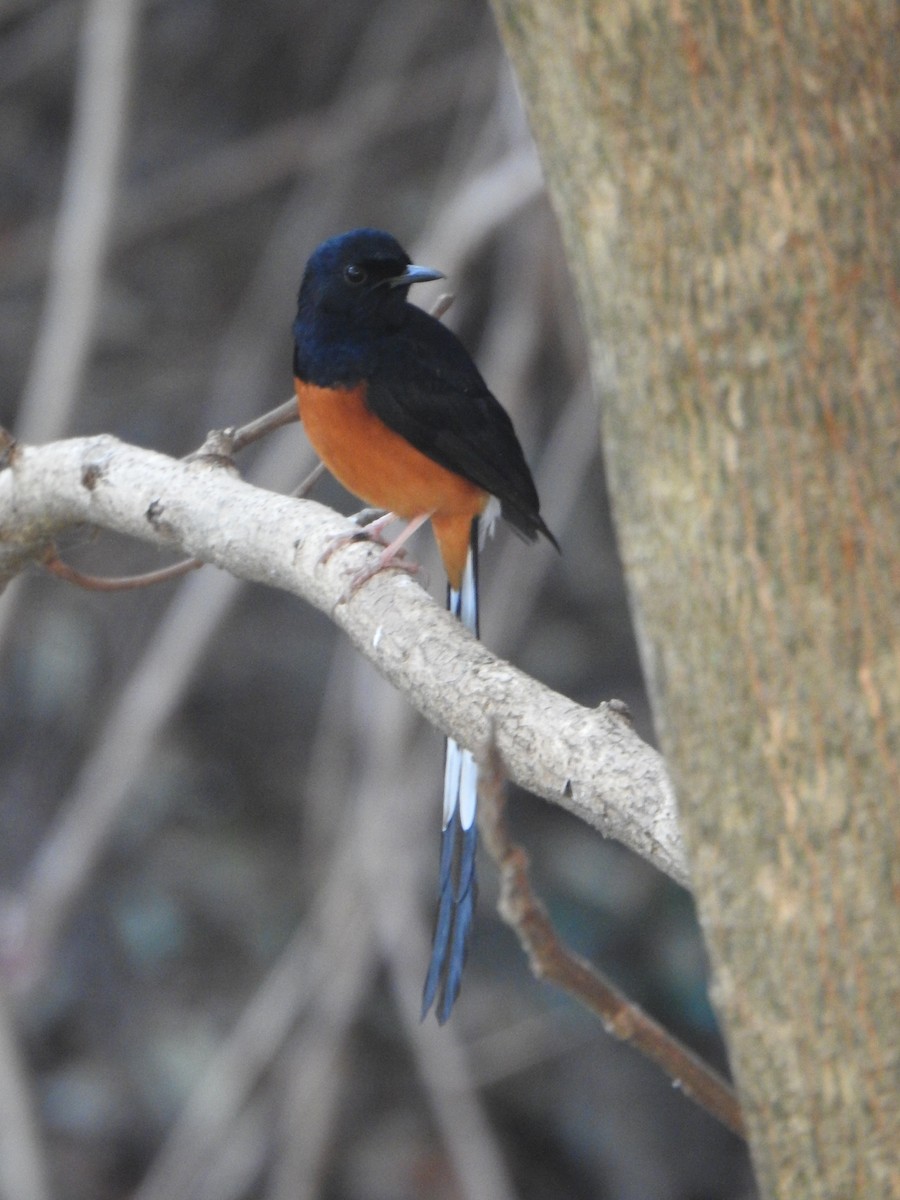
(355, 274)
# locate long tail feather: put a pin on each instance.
(459, 840)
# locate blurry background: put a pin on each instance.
(218, 827)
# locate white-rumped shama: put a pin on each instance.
(398, 412)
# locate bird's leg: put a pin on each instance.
(368, 531)
(371, 526)
(390, 556)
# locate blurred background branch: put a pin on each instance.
(99, 122)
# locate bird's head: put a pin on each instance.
(363, 276)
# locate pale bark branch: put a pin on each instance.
(589, 761)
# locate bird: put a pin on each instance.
(398, 412)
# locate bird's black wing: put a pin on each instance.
(426, 387)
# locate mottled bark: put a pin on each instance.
(726, 180)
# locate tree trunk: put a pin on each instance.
(726, 180)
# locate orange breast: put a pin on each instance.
(385, 471)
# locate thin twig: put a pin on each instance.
(442, 305)
(245, 435)
(220, 444)
(549, 959)
(305, 487)
(121, 583)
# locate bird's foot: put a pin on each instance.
(370, 531)
(389, 558)
(393, 555)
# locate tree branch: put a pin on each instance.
(589, 761)
(551, 960)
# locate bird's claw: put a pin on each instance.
(370, 531)
(337, 540)
(395, 562)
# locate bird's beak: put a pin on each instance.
(414, 274)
